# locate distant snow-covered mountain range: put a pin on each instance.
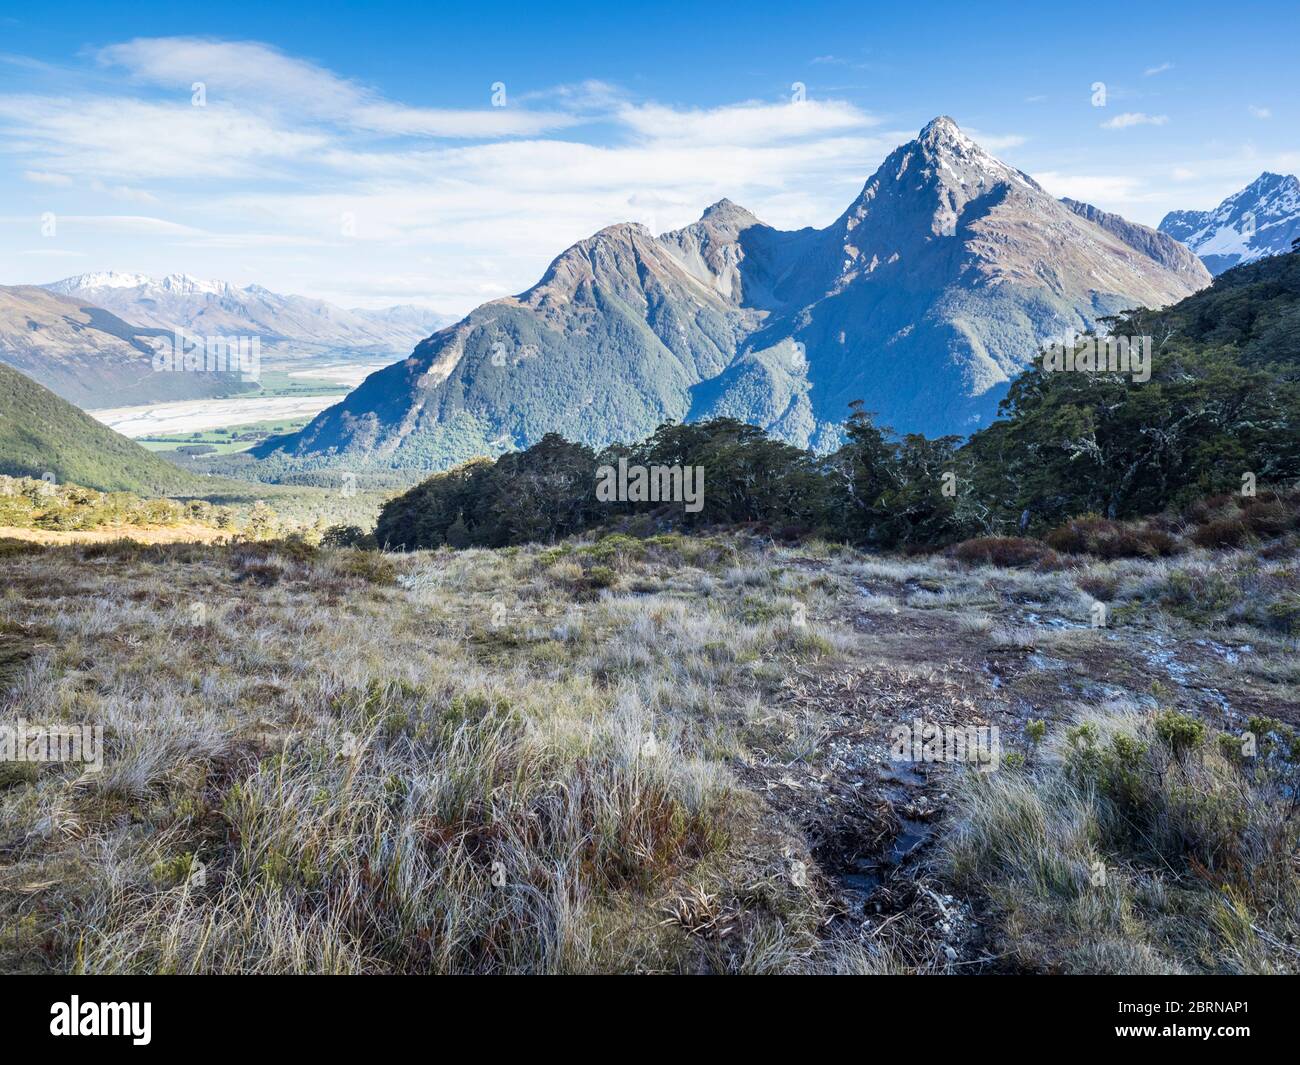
(179, 301)
(1260, 220)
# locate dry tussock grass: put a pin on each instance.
(527, 760)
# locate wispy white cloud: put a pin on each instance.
(829, 60)
(126, 193)
(446, 122)
(749, 123)
(997, 142)
(1091, 188)
(588, 96)
(1152, 71)
(53, 253)
(280, 154)
(1134, 118)
(491, 216)
(138, 224)
(233, 69)
(255, 74)
(1260, 112)
(44, 177)
(109, 137)
(446, 205)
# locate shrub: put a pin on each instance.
(1179, 732)
(1200, 593)
(1142, 846)
(370, 566)
(1203, 510)
(1005, 551)
(346, 536)
(262, 522)
(601, 577)
(1221, 532)
(1283, 614)
(1267, 518)
(616, 549)
(1092, 535)
(10, 547)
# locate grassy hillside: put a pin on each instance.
(41, 433)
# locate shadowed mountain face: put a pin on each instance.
(935, 287)
(1260, 220)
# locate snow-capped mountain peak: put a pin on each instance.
(1260, 220)
(112, 279)
(100, 279)
(942, 134)
(184, 283)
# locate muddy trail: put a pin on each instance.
(873, 820)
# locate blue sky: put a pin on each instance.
(354, 152)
